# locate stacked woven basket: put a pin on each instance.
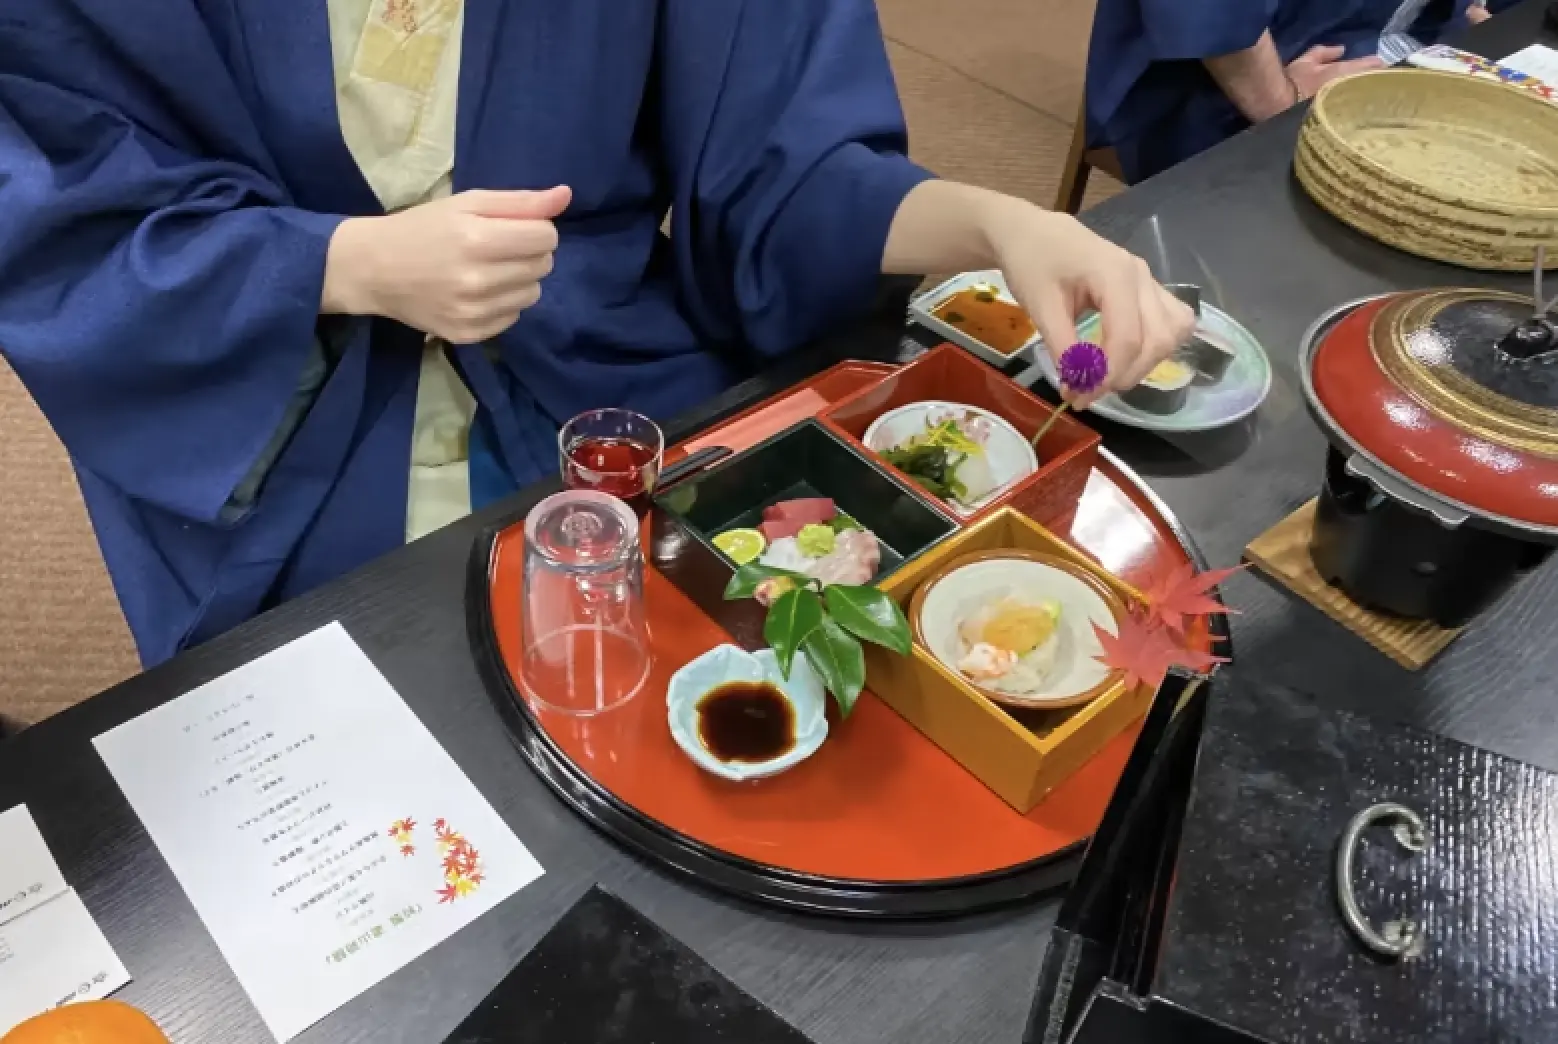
(1445, 166)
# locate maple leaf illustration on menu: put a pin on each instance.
(400, 833)
(461, 863)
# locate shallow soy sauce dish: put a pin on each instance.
(802, 462)
(695, 721)
(1209, 404)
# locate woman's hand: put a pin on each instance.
(1056, 268)
(1318, 66)
(461, 268)
(1059, 270)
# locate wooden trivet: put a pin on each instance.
(1282, 552)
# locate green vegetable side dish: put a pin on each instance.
(826, 624)
(932, 459)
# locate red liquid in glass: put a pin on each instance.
(621, 467)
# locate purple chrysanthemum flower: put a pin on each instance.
(1083, 367)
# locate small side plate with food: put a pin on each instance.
(963, 455)
(977, 311)
(1218, 379)
(1018, 626)
(737, 717)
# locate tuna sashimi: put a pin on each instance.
(806, 510)
(778, 528)
(789, 517)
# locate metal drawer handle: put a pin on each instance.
(1399, 938)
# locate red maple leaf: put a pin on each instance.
(1183, 593)
(447, 894)
(1144, 651)
(408, 850)
(440, 825)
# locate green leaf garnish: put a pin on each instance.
(839, 661)
(791, 620)
(870, 615)
(841, 522)
(745, 581)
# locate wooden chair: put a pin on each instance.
(1080, 162)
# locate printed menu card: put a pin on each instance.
(51, 951)
(322, 834)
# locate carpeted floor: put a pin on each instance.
(990, 96)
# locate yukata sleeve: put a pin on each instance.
(158, 304)
(1180, 30)
(788, 151)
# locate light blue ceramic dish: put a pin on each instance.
(1234, 397)
(729, 663)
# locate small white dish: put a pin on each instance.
(1077, 676)
(729, 663)
(1011, 456)
(923, 311)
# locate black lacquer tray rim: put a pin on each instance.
(734, 875)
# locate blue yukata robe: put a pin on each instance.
(1150, 98)
(171, 172)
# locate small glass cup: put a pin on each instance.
(613, 451)
(586, 640)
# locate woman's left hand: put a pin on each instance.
(1059, 270)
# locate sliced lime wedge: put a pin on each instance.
(741, 545)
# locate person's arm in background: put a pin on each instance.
(1256, 81)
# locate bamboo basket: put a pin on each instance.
(1444, 166)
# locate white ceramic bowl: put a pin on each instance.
(1077, 675)
(728, 663)
(1011, 456)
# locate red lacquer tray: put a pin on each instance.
(880, 822)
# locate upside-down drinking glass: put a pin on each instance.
(586, 641)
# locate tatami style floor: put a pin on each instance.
(991, 92)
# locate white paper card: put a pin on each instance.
(53, 955)
(1536, 60)
(29, 876)
(322, 834)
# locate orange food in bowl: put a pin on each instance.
(90, 1022)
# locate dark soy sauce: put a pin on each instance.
(746, 721)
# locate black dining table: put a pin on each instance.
(1236, 219)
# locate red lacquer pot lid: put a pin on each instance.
(1419, 382)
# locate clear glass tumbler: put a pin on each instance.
(586, 639)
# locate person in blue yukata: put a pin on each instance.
(1167, 79)
(273, 268)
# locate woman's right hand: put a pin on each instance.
(460, 268)
(1318, 66)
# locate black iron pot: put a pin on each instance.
(1406, 560)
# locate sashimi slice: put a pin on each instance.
(778, 528)
(807, 510)
(855, 557)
